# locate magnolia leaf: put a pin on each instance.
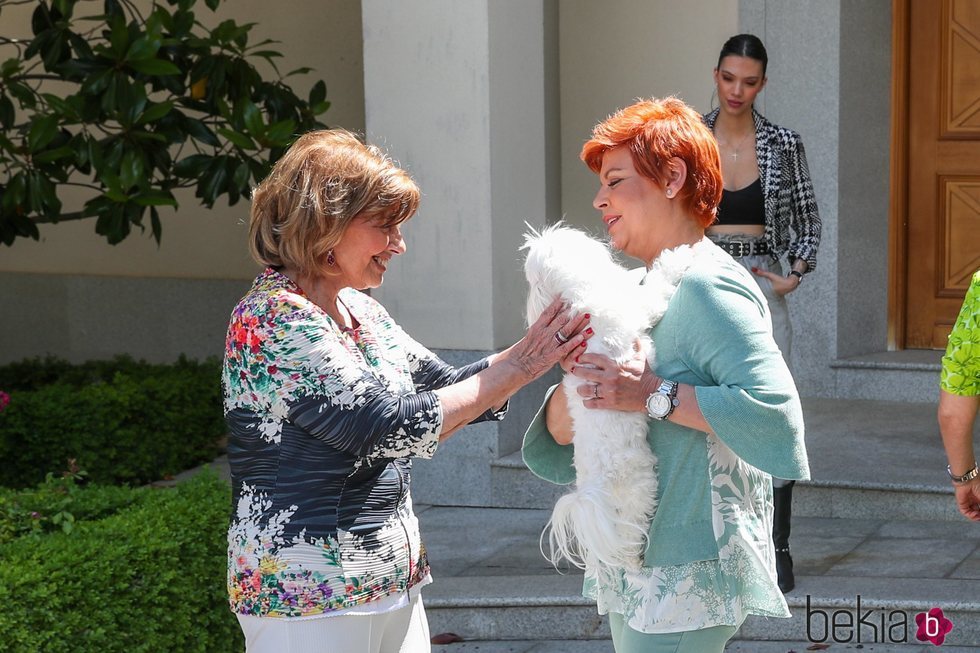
(136, 104)
(154, 67)
(155, 112)
(155, 198)
(43, 129)
(253, 119)
(318, 93)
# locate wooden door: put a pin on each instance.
(943, 235)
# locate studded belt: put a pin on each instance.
(740, 248)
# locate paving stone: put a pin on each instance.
(969, 568)
(899, 545)
(960, 529)
(904, 558)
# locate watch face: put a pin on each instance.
(658, 404)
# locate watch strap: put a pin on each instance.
(965, 478)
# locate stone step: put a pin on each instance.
(868, 459)
(533, 607)
(908, 376)
(873, 500)
(879, 611)
(514, 486)
(530, 646)
(735, 646)
(492, 583)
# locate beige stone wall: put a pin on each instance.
(615, 52)
(210, 244)
(74, 296)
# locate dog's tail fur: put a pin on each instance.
(586, 529)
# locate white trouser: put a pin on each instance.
(400, 631)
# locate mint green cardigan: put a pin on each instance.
(716, 336)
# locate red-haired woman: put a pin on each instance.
(723, 410)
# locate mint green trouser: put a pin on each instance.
(707, 640)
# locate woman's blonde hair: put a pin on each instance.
(326, 179)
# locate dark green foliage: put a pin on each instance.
(134, 103)
(122, 421)
(149, 577)
(57, 505)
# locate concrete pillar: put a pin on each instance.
(803, 93)
(463, 93)
(455, 90)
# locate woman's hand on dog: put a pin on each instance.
(555, 337)
(575, 326)
(626, 386)
(612, 385)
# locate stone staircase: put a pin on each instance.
(877, 524)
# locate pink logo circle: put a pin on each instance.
(933, 626)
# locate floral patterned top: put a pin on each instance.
(709, 559)
(323, 424)
(960, 374)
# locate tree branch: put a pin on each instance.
(20, 78)
(62, 217)
(134, 10)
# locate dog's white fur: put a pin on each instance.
(603, 523)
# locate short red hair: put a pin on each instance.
(655, 131)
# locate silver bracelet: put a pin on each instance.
(965, 478)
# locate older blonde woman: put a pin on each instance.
(723, 411)
(327, 401)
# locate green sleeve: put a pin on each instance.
(749, 398)
(960, 372)
(542, 455)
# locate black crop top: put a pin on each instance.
(743, 206)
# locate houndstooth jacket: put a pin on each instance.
(792, 220)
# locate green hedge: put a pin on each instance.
(148, 578)
(122, 421)
(34, 373)
(57, 505)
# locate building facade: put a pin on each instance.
(487, 103)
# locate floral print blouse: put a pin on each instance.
(323, 423)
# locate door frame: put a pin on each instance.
(898, 202)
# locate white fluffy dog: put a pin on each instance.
(603, 523)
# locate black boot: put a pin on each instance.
(782, 499)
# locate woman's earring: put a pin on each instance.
(331, 261)
(670, 193)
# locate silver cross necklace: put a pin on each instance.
(738, 147)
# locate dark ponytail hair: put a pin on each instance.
(745, 45)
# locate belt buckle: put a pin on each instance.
(742, 247)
